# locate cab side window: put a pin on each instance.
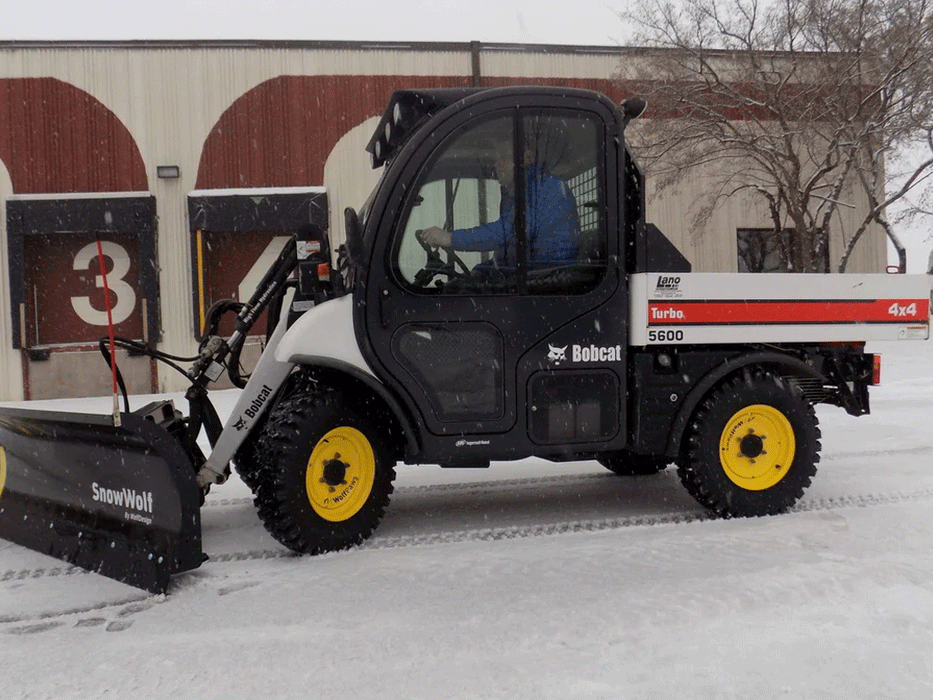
(565, 220)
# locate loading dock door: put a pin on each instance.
(237, 234)
(64, 300)
(57, 291)
(230, 265)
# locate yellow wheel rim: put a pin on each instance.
(757, 447)
(2, 469)
(340, 474)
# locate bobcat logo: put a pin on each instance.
(556, 355)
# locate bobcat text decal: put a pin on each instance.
(586, 353)
(258, 402)
(596, 353)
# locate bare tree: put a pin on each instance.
(800, 102)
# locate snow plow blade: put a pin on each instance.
(118, 501)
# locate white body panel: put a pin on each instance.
(324, 331)
(717, 308)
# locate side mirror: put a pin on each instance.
(633, 107)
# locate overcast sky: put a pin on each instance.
(577, 22)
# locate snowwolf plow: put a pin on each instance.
(499, 296)
(121, 501)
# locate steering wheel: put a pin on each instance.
(434, 265)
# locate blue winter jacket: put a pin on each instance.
(550, 219)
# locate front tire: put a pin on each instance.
(328, 477)
(752, 447)
(249, 461)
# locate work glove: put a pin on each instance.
(437, 237)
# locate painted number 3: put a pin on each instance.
(126, 297)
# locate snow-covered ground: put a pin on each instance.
(529, 581)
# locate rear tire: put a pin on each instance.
(328, 475)
(752, 447)
(626, 463)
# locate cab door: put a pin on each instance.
(457, 333)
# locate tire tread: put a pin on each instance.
(703, 476)
(284, 438)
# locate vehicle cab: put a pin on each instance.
(504, 350)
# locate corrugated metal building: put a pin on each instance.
(191, 161)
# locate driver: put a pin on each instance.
(551, 221)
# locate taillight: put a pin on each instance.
(876, 369)
(323, 272)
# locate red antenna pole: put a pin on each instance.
(113, 354)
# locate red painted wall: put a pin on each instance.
(55, 137)
(280, 133)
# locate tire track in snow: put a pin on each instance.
(466, 486)
(915, 450)
(516, 532)
(82, 610)
(506, 484)
(599, 525)
(252, 555)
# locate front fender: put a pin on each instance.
(324, 331)
(324, 338)
(715, 375)
(358, 384)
